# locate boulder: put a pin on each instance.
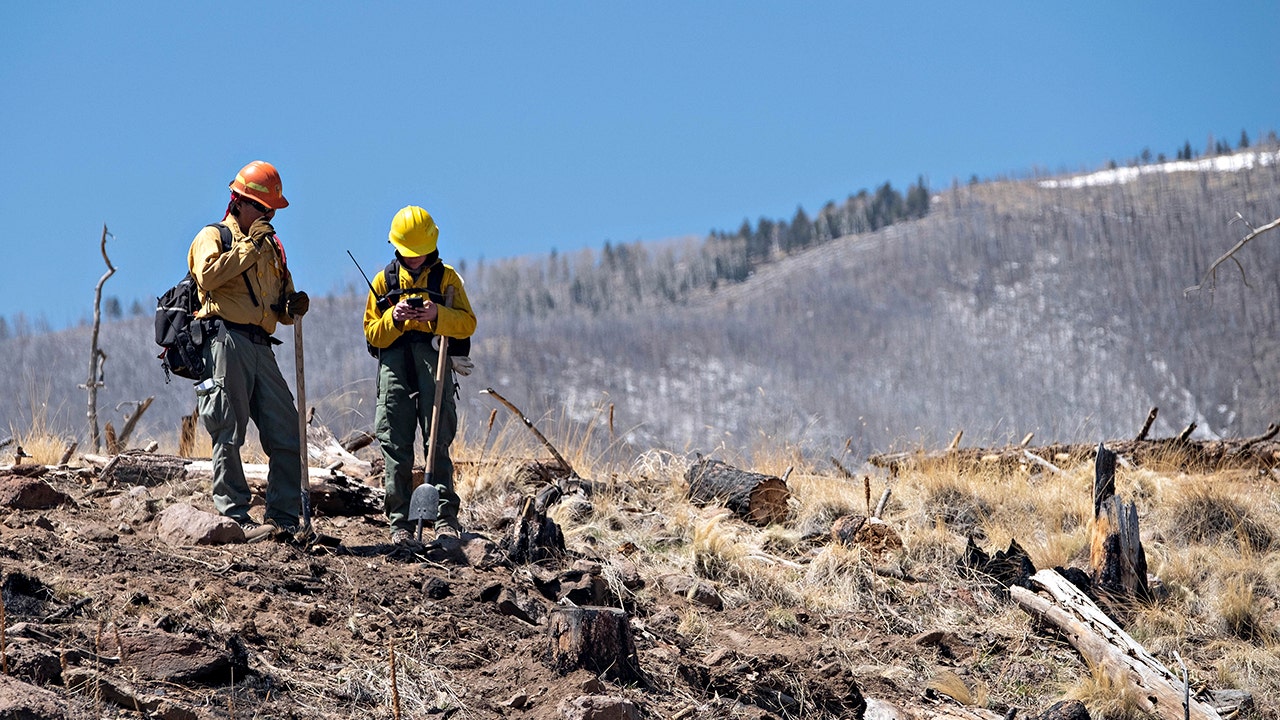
(174, 658)
(599, 707)
(185, 525)
(23, 701)
(28, 493)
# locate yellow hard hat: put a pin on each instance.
(413, 232)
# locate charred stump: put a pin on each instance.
(755, 497)
(597, 639)
(533, 537)
(1116, 556)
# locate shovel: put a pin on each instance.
(424, 504)
(304, 533)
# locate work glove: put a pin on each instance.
(260, 229)
(297, 304)
(462, 365)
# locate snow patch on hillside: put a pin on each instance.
(1118, 176)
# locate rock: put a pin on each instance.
(1065, 710)
(97, 534)
(23, 701)
(599, 707)
(185, 525)
(846, 527)
(518, 604)
(627, 572)
(436, 588)
(880, 710)
(519, 701)
(24, 493)
(44, 523)
(135, 506)
(173, 658)
(32, 661)
(480, 551)
(114, 690)
(691, 589)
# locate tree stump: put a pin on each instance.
(1116, 556)
(187, 434)
(757, 498)
(596, 639)
(533, 537)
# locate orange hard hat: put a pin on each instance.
(260, 181)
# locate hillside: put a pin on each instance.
(108, 612)
(1041, 304)
(1044, 305)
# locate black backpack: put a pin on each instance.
(178, 332)
(458, 347)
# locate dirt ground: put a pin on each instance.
(278, 630)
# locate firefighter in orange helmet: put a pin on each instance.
(245, 291)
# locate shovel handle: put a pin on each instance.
(301, 383)
(435, 406)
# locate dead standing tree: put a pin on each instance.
(97, 358)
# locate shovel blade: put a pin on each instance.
(424, 504)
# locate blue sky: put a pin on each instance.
(527, 126)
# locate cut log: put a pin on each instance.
(1103, 644)
(757, 498)
(597, 639)
(357, 440)
(1116, 556)
(139, 468)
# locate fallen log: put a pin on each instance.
(1261, 453)
(323, 450)
(1103, 644)
(755, 497)
(332, 493)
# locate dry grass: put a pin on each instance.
(1208, 540)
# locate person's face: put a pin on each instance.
(251, 210)
(413, 262)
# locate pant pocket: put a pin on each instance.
(215, 409)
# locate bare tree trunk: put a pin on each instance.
(132, 421)
(1103, 644)
(96, 357)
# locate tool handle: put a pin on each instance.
(435, 407)
(300, 381)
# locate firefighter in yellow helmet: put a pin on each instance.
(245, 291)
(404, 313)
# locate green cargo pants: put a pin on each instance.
(406, 391)
(248, 386)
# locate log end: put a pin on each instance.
(768, 502)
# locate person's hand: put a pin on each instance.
(297, 304)
(403, 311)
(260, 229)
(462, 365)
(427, 312)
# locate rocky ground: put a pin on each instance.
(129, 599)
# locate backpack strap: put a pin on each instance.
(391, 277)
(435, 276)
(224, 233)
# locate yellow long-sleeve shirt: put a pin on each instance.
(223, 292)
(458, 321)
